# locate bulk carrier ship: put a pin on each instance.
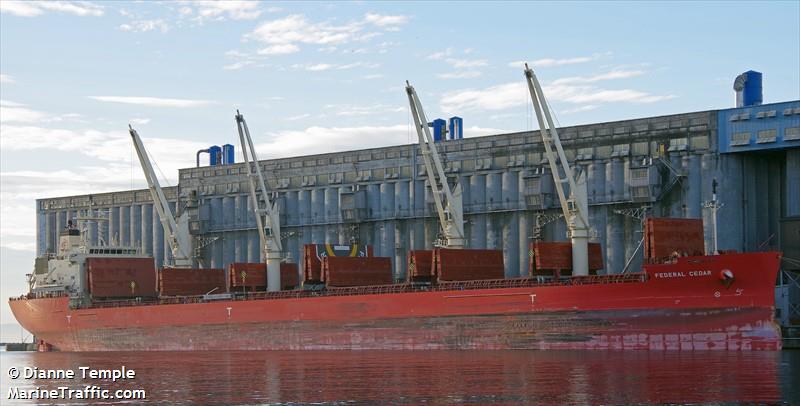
(109, 298)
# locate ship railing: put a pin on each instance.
(388, 289)
(41, 295)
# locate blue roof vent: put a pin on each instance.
(748, 89)
(215, 155)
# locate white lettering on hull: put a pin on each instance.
(682, 274)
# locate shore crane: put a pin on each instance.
(267, 215)
(576, 207)
(451, 213)
(176, 232)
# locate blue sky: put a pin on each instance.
(316, 77)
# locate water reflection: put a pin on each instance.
(432, 377)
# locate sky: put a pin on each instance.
(313, 77)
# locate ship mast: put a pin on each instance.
(176, 232)
(451, 214)
(576, 207)
(267, 215)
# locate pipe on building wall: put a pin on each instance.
(198, 155)
(147, 228)
(524, 229)
(511, 244)
(792, 183)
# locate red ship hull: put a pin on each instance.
(680, 306)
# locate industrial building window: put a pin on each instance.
(639, 173)
(791, 133)
(640, 148)
(391, 173)
(765, 136)
(532, 185)
(453, 166)
(678, 142)
(533, 200)
(335, 177)
(483, 163)
(742, 138)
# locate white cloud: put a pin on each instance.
(101, 162)
(348, 110)
(460, 75)
(237, 65)
(549, 62)
(441, 54)
(368, 65)
(21, 188)
(11, 112)
(139, 121)
(515, 94)
(298, 117)
(615, 74)
(317, 140)
(19, 246)
(588, 107)
(9, 103)
(6, 78)
(279, 49)
(466, 63)
(36, 8)
(153, 101)
(274, 10)
(243, 59)
(385, 20)
(219, 10)
(107, 146)
(145, 25)
(297, 29)
(373, 76)
(556, 62)
(458, 63)
(623, 95)
(316, 67)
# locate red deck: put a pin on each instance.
(682, 306)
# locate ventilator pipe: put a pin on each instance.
(198, 155)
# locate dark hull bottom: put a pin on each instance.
(666, 329)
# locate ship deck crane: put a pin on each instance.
(576, 207)
(451, 213)
(176, 232)
(269, 226)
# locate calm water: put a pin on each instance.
(429, 377)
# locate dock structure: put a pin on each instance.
(661, 166)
